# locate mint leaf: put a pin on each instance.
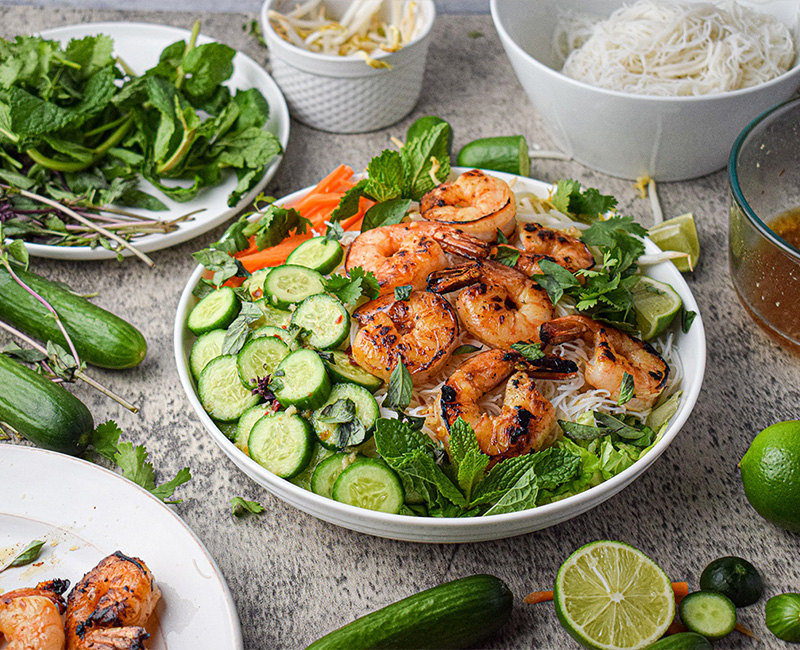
(242, 507)
(402, 293)
(500, 478)
(394, 438)
(385, 176)
(419, 465)
(385, 214)
(466, 455)
(555, 466)
(398, 395)
(575, 431)
(521, 496)
(615, 425)
(342, 410)
(506, 255)
(238, 331)
(334, 231)
(417, 156)
(349, 203)
(501, 238)
(626, 389)
(555, 279)
(350, 289)
(531, 351)
(687, 318)
(466, 349)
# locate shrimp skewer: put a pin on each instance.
(406, 253)
(527, 420)
(476, 203)
(614, 354)
(564, 250)
(110, 605)
(30, 619)
(420, 332)
(500, 306)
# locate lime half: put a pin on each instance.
(656, 304)
(678, 234)
(611, 596)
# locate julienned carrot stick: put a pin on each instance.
(681, 590)
(272, 256)
(743, 630)
(539, 597)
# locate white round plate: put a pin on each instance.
(85, 512)
(139, 45)
(691, 349)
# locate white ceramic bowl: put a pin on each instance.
(622, 134)
(692, 351)
(343, 94)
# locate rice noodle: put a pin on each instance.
(673, 49)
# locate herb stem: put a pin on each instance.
(80, 218)
(128, 69)
(79, 374)
(189, 47)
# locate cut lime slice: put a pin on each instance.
(678, 234)
(656, 304)
(611, 596)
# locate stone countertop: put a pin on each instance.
(294, 577)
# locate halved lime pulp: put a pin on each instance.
(656, 304)
(678, 234)
(611, 596)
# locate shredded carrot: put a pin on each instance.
(681, 590)
(272, 256)
(743, 630)
(538, 597)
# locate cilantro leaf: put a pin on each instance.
(403, 293)
(583, 205)
(242, 507)
(105, 439)
(349, 203)
(275, 225)
(350, 289)
(506, 255)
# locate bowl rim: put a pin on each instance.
(794, 71)
(276, 40)
(478, 527)
(736, 189)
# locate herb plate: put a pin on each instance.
(139, 45)
(100, 513)
(691, 349)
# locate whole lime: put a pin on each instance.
(771, 474)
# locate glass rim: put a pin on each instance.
(733, 178)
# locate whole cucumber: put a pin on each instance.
(41, 410)
(101, 338)
(457, 614)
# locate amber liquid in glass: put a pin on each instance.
(777, 283)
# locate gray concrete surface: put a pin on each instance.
(294, 577)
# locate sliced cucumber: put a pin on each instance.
(318, 253)
(289, 284)
(326, 318)
(221, 392)
(259, 357)
(245, 424)
(228, 429)
(303, 479)
(371, 484)
(708, 613)
(338, 436)
(216, 311)
(326, 473)
(205, 348)
(271, 315)
(255, 283)
(282, 443)
(342, 368)
(301, 380)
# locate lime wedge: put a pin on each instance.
(678, 234)
(611, 596)
(656, 304)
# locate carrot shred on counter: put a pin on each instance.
(316, 206)
(539, 597)
(681, 590)
(743, 630)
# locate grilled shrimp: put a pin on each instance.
(30, 619)
(614, 353)
(405, 253)
(476, 203)
(108, 608)
(420, 332)
(527, 420)
(500, 305)
(569, 252)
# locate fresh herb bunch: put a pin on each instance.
(78, 126)
(604, 292)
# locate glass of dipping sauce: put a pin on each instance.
(764, 236)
